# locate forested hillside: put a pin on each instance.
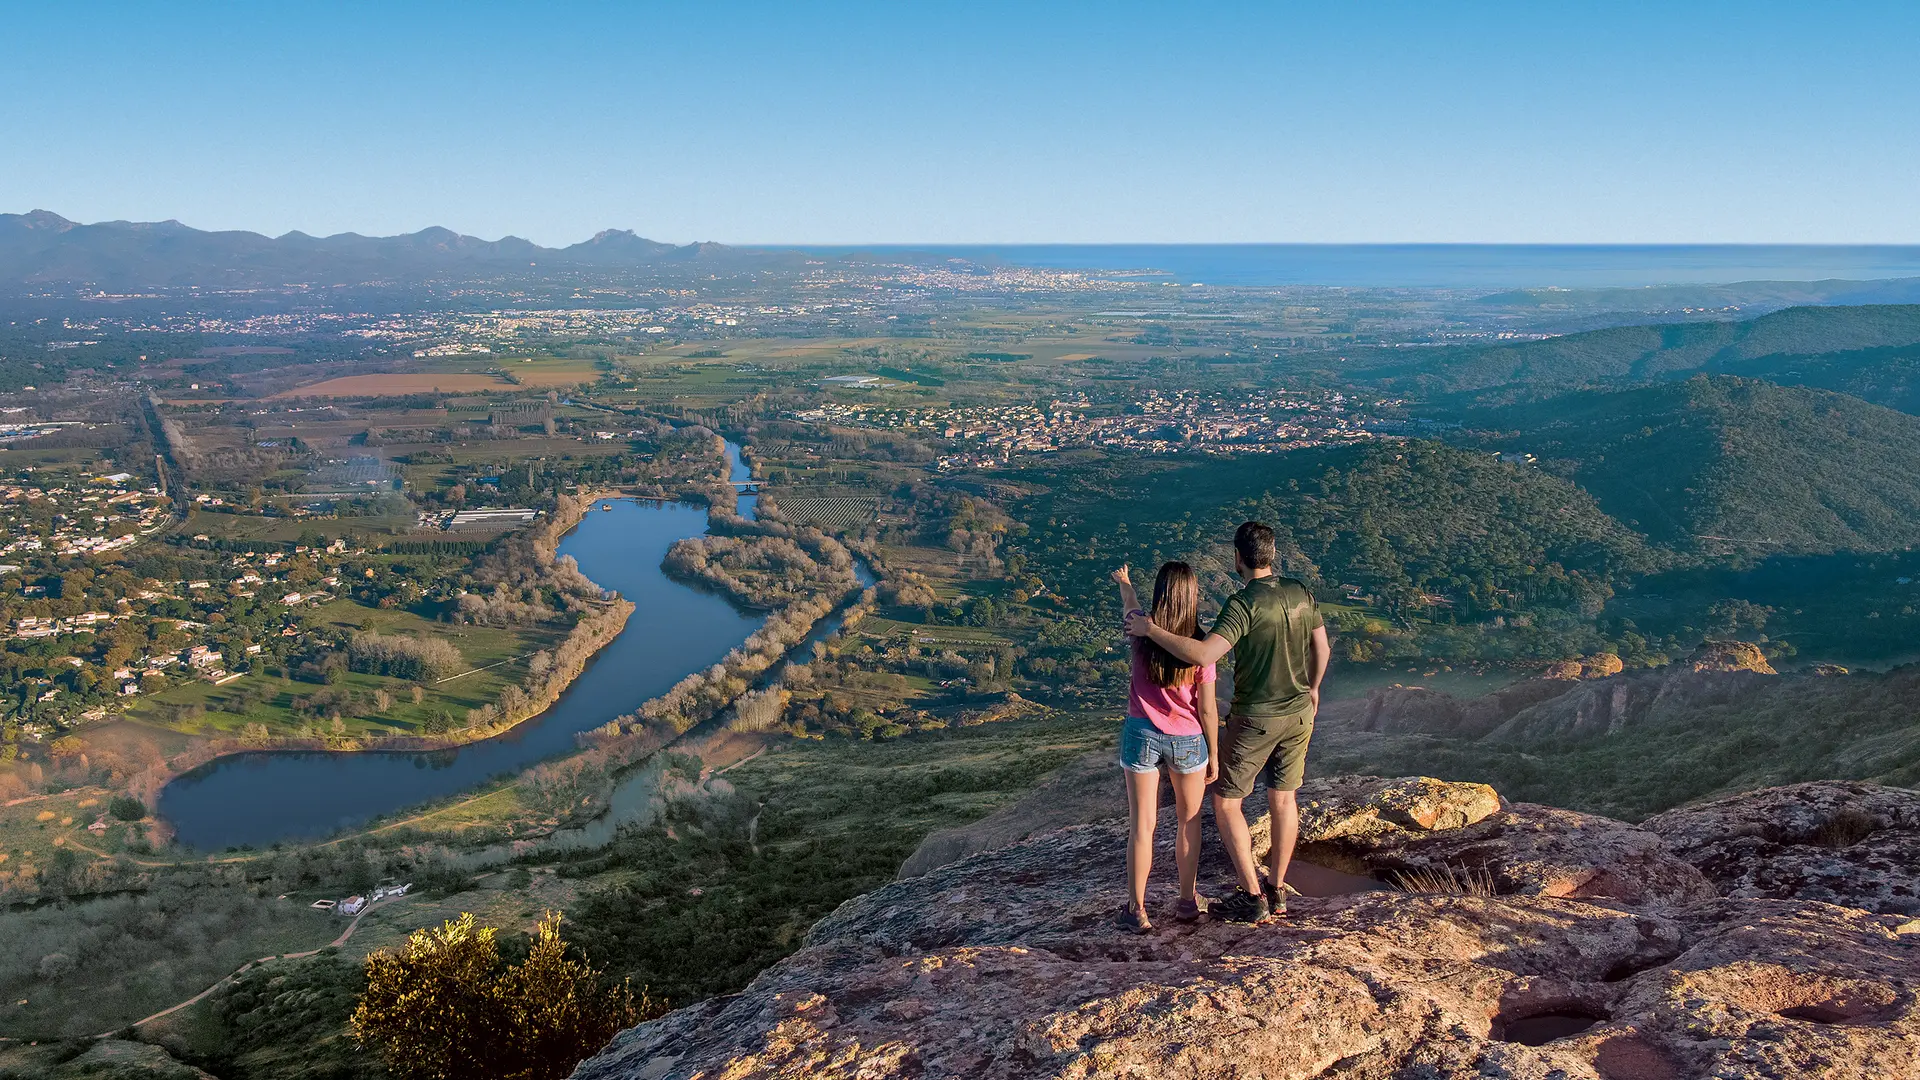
(1778, 469)
(1637, 354)
(1406, 521)
(1887, 376)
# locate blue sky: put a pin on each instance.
(978, 122)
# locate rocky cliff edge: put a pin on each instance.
(1772, 934)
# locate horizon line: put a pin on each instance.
(913, 244)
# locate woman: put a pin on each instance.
(1172, 723)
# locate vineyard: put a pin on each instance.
(829, 513)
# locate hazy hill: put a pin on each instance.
(1763, 295)
(1629, 355)
(1784, 469)
(43, 247)
(1887, 376)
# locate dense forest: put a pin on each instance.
(1413, 524)
(1719, 460)
(1888, 376)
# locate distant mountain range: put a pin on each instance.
(44, 248)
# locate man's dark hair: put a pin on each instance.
(1254, 542)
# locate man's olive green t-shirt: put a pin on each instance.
(1270, 624)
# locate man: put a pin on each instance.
(1280, 654)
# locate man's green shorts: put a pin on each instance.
(1274, 747)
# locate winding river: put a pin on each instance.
(260, 799)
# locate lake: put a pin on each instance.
(259, 799)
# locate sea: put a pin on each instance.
(1446, 266)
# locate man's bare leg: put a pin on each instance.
(1232, 823)
(1283, 819)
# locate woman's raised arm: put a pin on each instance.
(1129, 599)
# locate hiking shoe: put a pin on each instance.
(1241, 907)
(1189, 910)
(1276, 895)
(1134, 922)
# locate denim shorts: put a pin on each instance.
(1144, 748)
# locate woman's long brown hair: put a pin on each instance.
(1176, 609)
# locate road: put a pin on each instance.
(196, 999)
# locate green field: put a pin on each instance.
(924, 634)
(270, 700)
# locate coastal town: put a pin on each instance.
(824, 296)
(1183, 421)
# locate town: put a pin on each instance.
(74, 516)
(1156, 422)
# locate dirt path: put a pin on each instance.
(742, 761)
(489, 667)
(196, 999)
(56, 795)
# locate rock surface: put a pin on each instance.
(1852, 844)
(1544, 923)
(1400, 710)
(1730, 656)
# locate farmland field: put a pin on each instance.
(832, 513)
(398, 385)
(525, 374)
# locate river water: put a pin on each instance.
(264, 798)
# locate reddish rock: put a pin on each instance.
(1371, 809)
(1530, 850)
(1854, 844)
(1395, 710)
(1006, 964)
(1730, 656)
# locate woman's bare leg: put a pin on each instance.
(1189, 791)
(1143, 801)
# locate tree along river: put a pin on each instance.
(263, 798)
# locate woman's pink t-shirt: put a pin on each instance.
(1174, 710)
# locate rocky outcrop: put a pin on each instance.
(1531, 850)
(1576, 708)
(1575, 697)
(1554, 945)
(1603, 707)
(1856, 845)
(1730, 656)
(1400, 710)
(1336, 812)
(1370, 811)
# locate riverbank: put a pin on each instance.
(563, 756)
(613, 783)
(591, 633)
(260, 799)
(470, 785)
